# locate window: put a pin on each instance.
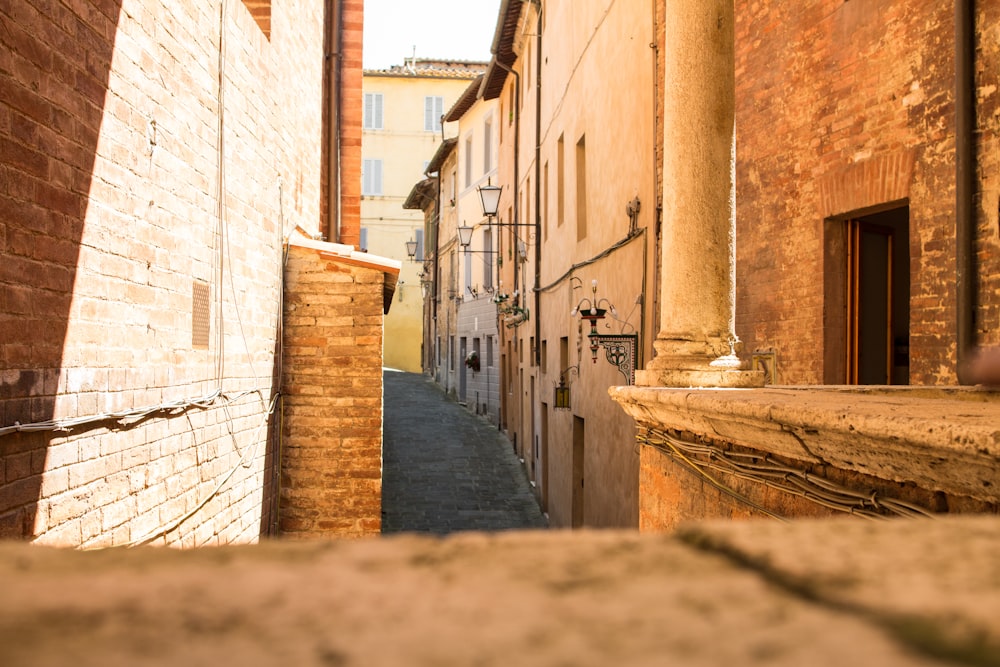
(371, 177)
(488, 250)
(581, 189)
(488, 145)
(560, 185)
(545, 201)
(433, 110)
(419, 257)
(363, 243)
(489, 351)
(454, 186)
(373, 111)
(468, 161)
(468, 271)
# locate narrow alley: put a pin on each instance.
(446, 470)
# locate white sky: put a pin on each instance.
(446, 29)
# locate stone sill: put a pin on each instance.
(940, 438)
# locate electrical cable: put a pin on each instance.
(701, 457)
(243, 461)
(633, 234)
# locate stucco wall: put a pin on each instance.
(404, 147)
(597, 84)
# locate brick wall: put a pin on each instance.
(109, 216)
(988, 153)
(829, 95)
(331, 459)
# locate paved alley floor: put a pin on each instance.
(445, 469)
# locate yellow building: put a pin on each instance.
(403, 108)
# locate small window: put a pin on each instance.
(488, 145)
(371, 177)
(468, 161)
(560, 182)
(433, 111)
(363, 242)
(468, 271)
(488, 252)
(373, 111)
(419, 235)
(581, 189)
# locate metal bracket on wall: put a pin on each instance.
(619, 350)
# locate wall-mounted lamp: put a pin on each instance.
(411, 249)
(464, 236)
(561, 396)
(620, 349)
(490, 196)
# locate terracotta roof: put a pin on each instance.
(426, 68)
(421, 194)
(503, 48)
(466, 100)
(440, 155)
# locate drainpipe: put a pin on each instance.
(965, 185)
(436, 227)
(517, 154)
(538, 185)
(334, 30)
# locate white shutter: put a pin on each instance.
(373, 111)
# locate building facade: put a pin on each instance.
(578, 224)
(153, 171)
(476, 378)
(846, 190)
(836, 265)
(403, 111)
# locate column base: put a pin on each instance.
(691, 362)
(709, 377)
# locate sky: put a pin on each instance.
(446, 29)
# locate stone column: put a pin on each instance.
(697, 284)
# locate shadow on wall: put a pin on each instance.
(53, 85)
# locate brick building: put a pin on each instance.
(846, 146)
(152, 169)
(852, 241)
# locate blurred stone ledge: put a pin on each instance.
(844, 591)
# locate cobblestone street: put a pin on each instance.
(445, 469)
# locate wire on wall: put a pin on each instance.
(704, 458)
(632, 235)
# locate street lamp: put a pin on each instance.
(464, 236)
(490, 196)
(411, 249)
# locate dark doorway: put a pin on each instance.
(878, 298)
(577, 498)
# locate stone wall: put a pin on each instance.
(142, 208)
(331, 455)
